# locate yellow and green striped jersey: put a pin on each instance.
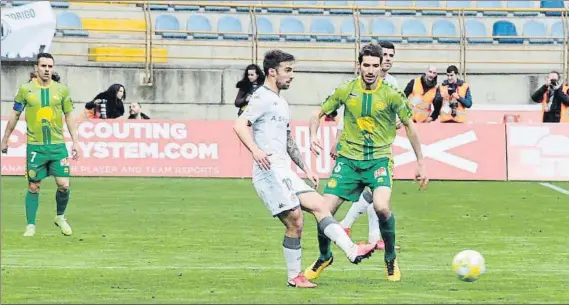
(44, 107)
(369, 118)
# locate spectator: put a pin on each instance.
(136, 113)
(421, 92)
(108, 104)
(253, 77)
(554, 99)
(452, 99)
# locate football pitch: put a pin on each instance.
(143, 240)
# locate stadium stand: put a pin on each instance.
(478, 36)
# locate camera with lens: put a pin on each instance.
(103, 106)
(553, 83)
(453, 105)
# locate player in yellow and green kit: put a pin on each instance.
(365, 151)
(46, 104)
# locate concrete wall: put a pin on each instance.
(186, 93)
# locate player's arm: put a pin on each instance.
(296, 156)
(70, 122)
(252, 113)
(19, 105)
(328, 107)
(405, 113)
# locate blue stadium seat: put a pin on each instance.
(476, 28)
(445, 28)
(309, 10)
(557, 31)
(166, 23)
(265, 30)
(506, 28)
(59, 4)
(243, 9)
(278, 9)
(231, 26)
(491, 4)
(435, 4)
(158, 7)
(522, 4)
(348, 30)
(400, 4)
(70, 19)
(536, 28)
(461, 4)
(199, 23)
(323, 26)
(3, 3)
(552, 4)
(293, 26)
(369, 11)
(191, 8)
(224, 8)
(339, 11)
(415, 27)
(380, 28)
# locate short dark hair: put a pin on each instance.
(44, 55)
(558, 74)
(387, 45)
(452, 68)
(274, 58)
(371, 50)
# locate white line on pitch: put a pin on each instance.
(379, 268)
(555, 187)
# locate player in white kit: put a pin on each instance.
(281, 190)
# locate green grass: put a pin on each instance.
(212, 241)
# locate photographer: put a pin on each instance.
(107, 104)
(452, 99)
(253, 77)
(554, 99)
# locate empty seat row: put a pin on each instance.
(322, 29)
(398, 7)
(54, 4)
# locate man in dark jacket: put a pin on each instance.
(554, 99)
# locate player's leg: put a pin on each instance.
(312, 202)
(293, 221)
(36, 171)
(283, 203)
(62, 198)
(357, 209)
(380, 180)
(344, 184)
(59, 168)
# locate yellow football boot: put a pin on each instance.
(313, 272)
(392, 271)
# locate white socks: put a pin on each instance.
(337, 234)
(373, 223)
(293, 255)
(357, 209)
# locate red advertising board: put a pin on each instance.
(211, 149)
(538, 152)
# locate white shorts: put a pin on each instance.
(279, 189)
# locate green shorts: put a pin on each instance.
(350, 177)
(46, 160)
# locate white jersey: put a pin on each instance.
(279, 186)
(269, 115)
(388, 78)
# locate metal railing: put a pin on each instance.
(463, 49)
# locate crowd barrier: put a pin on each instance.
(166, 148)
